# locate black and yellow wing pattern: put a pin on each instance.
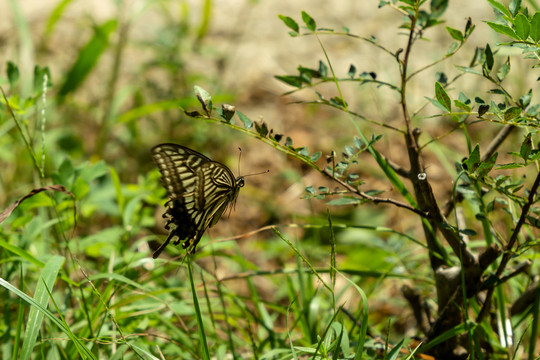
(199, 190)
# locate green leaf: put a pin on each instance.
(512, 113)
(503, 29)
(204, 98)
(522, 26)
(462, 105)
(261, 128)
(482, 109)
(80, 188)
(525, 100)
(486, 166)
(510, 166)
(455, 34)
(248, 124)
(435, 103)
(316, 156)
(442, 97)
(290, 23)
(504, 70)
(323, 69)
(526, 147)
(488, 64)
(88, 57)
(308, 20)
(295, 81)
(535, 27)
(438, 7)
(344, 201)
(352, 71)
(497, 5)
(473, 160)
(12, 72)
(514, 6)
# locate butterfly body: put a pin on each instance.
(199, 190)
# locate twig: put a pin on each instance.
(374, 199)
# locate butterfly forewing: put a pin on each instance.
(199, 191)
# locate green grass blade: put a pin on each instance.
(202, 334)
(41, 296)
(83, 350)
(88, 57)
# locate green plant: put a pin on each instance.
(472, 273)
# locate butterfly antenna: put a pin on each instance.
(259, 173)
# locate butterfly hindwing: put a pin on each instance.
(199, 191)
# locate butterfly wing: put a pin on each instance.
(199, 190)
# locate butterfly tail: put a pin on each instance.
(163, 246)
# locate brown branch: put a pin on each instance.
(374, 199)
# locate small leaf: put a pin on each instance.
(525, 100)
(308, 20)
(488, 64)
(462, 105)
(514, 6)
(316, 156)
(303, 151)
(522, 26)
(204, 98)
(227, 112)
(512, 113)
(311, 190)
(486, 166)
(261, 128)
(438, 7)
(323, 189)
(503, 29)
(248, 124)
(497, 5)
(455, 34)
(504, 70)
(288, 141)
(352, 71)
(526, 147)
(468, 232)
(349, 150)
(442, 97)
(323, 69)
(535, 27)
(295, 81)
(482, 109)
(12, 72)
(473, 160)
(290, 23)
(344, 201)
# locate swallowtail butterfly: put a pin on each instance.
(199, 190)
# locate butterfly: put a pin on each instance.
(199, 190)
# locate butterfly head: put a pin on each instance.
(240, 181)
